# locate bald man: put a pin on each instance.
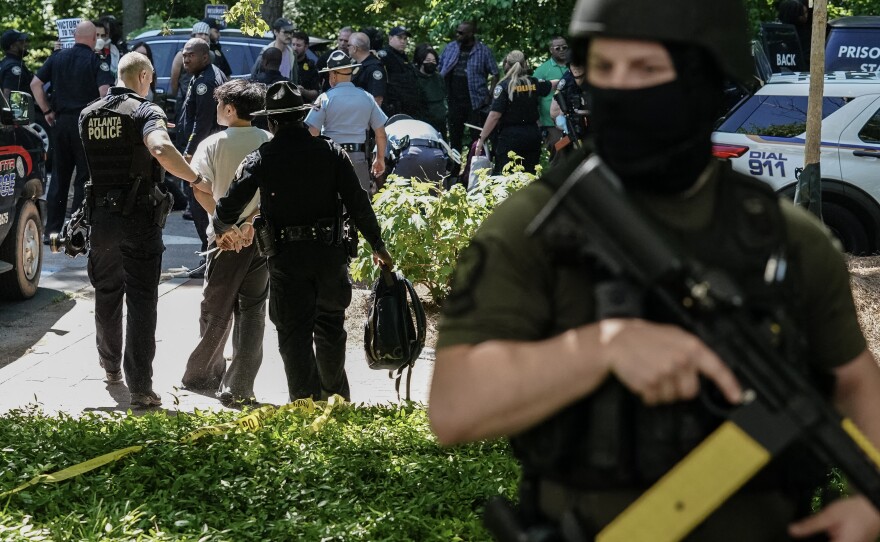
(78, 77)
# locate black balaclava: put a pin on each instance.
(657, 139)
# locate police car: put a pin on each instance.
(765, 135)
(22, 211)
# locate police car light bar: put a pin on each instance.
(722, 151)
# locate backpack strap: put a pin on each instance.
(421, 331)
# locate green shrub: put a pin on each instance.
(425, 227)
(371, 473)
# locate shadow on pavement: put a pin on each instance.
(24, 323)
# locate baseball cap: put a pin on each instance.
(282, 24)
(339, 61)
(11, 36)
(201, 28)
(399, 31)
(214, 23)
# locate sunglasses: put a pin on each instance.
(560, 47)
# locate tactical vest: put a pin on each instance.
(610, 439)
(575, 100)
(117, 156)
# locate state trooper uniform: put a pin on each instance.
(126, 210)
(309, 283)
(371, 77)
(345, 113)
(76, 74)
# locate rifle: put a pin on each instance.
(780, 406)
(570, 125)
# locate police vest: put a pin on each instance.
(610, 439)
(574, 100)
(115, 147)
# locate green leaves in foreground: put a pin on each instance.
(371, 473)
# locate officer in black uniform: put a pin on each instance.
(371, 76)
(14, 74)
(309, 283)
(198, 120)
(219, 59)
(402, 88)
(309, 78)
(571, 109)
(127, 145)
(78, 77)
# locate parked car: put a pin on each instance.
(853, 44)
(240, 50)
(22, 211)
(764, 137)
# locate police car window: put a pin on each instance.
(852, 49)
(239, 57)
(870, 132)
(782, 116)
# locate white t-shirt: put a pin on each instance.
(218, 156)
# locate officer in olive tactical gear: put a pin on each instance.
(302, 230)
(524, 352)
(127, 146)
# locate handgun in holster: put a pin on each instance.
(264, 235)
(163, 202)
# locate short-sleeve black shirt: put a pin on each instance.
(371, 76)
(308, 74)
(76, 75)
(523, 109)
(14, 75)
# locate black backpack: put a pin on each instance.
(394, 333)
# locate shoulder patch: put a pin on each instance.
(560, 85)
(201, 88)
(377, 75)
(16, 70)
(104, 66)
(497, 92)
(382, 53)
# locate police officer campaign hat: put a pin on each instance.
(339, 61)
(11, 36)
(720, 27)
(282, 97)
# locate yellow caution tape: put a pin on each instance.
(75, 470)
(253, 421)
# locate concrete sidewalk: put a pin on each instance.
(61, 373)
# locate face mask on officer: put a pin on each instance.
(653, 109)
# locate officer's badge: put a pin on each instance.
(16, 70)
(382, 53)
(497, 92)
(201, 88)
(104, 66)
(306, 67)
(377, 75)
(560, 85)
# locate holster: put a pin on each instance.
(264, 235)
(164, 201)
(350, 239)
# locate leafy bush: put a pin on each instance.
(370, 473)
(426, 227)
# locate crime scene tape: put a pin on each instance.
(253, 421)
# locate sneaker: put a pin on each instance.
(145, 400)
(187, 215)
(114, 376)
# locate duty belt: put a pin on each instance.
(104, 201)
(352, 147)
(425, 143)
(297, 233)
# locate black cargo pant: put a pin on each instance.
(461, 112)
(125, 260)
(69, 154)
(309, 290)
(525, 141)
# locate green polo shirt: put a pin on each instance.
(550, 71)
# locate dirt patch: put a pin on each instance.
(356, 316)
(865, 281)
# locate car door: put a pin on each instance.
(860, 146)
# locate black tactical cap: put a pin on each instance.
(719, 26)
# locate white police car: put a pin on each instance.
(764, 137)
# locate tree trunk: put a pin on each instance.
(271, 10)
(809, 187)
(134, 15)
